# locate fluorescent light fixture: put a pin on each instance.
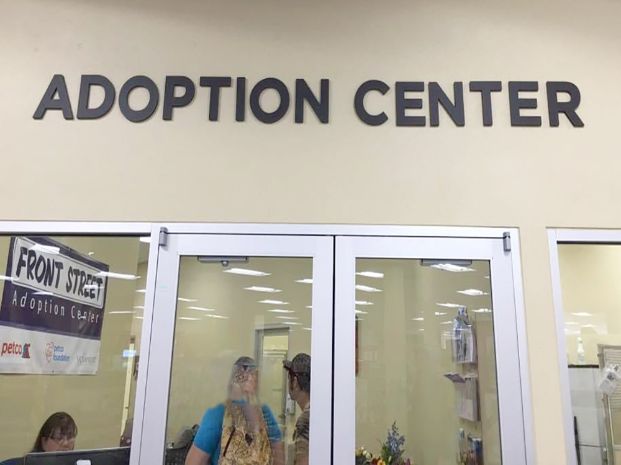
(139, 307)
(360, 312)
(421, 329)
(90, 254)
(291, 323)
(364, 288)
(448, 305)
(183, 299)
(262, 289)
(588, 326)
(439, 313)
(218, 317)
(110, 274)
(246, 272)
(46, 292)
(571, 323)
(309, 306)
(287, 317)
(307, 329)
(201, 309)
(418, 319)
(473, 292)
(582, 314)
(46, 249)
(452, 268)
(486, 277)
(139, 317)
(446, 323)
(280, 310)
(305, 281)
(273, 302)
(363, 302)
(121, 312)
(187, 318)
(371, 274)
(482, 310)
(145, 239)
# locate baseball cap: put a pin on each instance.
(300, 365)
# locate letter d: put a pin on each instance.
(86, 83)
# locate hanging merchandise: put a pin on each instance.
(464, 342)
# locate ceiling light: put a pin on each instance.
(121, 312)
(371, 274)
(439, 313)
(90, 254)
(452, 268)
(46, 249)
(218, 317)
(183, 299)
(582, 314)
(363, 288)
(421, 329)
(141, 291)
(201, 309)
(140, 318)
(472, 292)
(448, 305)
(246, 272)
(262, 289)
(309, 306)
(187, 318)
(307, 329)
(571, 323)
(291, 323)
(145, 239)
(305, 281)
(287, 317)
(273, 302)
(360, 312)
(446, 323)
(418, 319)
(482, 310)
(139, 307)
(280, 310)
(110, 274)
(588, 326)
(7, 278)
(363, 302)
(486, 277)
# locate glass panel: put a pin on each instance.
(590, 276)
(70, 326)
(238, 324)
(425, 363)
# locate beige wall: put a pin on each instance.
(345, 172)
(95, 402)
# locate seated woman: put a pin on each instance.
(58, 433)
(239, 431)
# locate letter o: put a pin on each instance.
(255, 99)
(137, 116)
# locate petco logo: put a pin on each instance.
(15, 349)
(54, 353)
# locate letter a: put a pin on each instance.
(48, 102)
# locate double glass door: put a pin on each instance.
(331, 350)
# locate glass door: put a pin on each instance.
(426, 353)
(237, 320)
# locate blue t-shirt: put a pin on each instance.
(210, 431)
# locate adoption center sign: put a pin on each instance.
(52, 309)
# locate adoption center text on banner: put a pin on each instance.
(52, 310)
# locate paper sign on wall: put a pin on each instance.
(52, 310)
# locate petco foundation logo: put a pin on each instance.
(54, 353)
(15, 349)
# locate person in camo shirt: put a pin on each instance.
(299, 370)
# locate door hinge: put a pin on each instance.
(163, 239)
(506, 241)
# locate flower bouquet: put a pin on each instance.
(391, 452)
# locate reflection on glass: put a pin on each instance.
(234, 395)
(591, 296)
(75, 345)
(426, 379)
